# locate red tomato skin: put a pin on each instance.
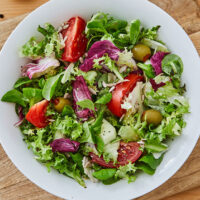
(76, 42)
(36, 114)
(127, 152)
(101, 161)
(146, 57)
(122, 90)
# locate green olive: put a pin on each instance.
(141, 52)
(152, 117)
(60, 103)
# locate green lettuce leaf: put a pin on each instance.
(87, 103)
(14, 96)
(50, 44)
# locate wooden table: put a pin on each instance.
(14, 186)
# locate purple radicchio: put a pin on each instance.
(156, 61)
(97, 50)
(21, 116)
(155, 85)
(64, 145)
(39, 67)
(80, 93)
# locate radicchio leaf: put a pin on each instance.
(80, 93)
(97, 50)
(156, 61)
(155, 85)
(40, 67)
(64, 145)
(21, 116)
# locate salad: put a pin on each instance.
(99, 100)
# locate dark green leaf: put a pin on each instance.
(77, 158)
(100, 143)
(115, 25)
(145, 168)
(110, 181)
(96, 26)
(151, 161)
(104, 174)
(96, 126)
(21, 81)
(14, 96)
(104, 99)
(134, 31)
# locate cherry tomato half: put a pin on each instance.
(127, 152)
(36, 114)
(120, 92)
(76, 42)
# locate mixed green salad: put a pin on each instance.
(99, 100)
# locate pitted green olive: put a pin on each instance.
(141, 52)
(152, 117)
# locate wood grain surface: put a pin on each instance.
(186, 182)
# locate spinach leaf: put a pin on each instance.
(172, 65)
(104, 174)
(33, 95)
(110, 181)
(87, 103)
(104, 99)
(21, 81)
(14, 96)
(145, 168)
(148, 69)
(50, 86)
(134, 31)
(151, 161)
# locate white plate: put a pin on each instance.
(56, 12)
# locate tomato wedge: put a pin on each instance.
(76, 42)
(127, 152)
(36, 114)
(122, 90)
